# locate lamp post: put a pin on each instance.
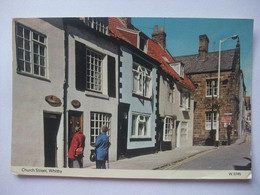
(218, 92)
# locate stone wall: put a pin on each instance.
(229, 93)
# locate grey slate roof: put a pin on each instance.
(193, 65)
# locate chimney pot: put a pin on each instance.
(159, 37)
(156, 28)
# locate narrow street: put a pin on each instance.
(234, 157)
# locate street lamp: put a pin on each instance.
(219, 62)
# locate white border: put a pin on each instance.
(12, 184)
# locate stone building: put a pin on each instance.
(202, 69)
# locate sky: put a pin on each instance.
(182, 37)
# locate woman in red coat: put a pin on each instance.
(77, 146)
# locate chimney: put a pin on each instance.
(127, 22)
(159, 37)
(203, 47)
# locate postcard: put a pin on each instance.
(143, 98)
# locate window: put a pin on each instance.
(185, 100)
(212, 88)
(170, 92)
(179, 68)
(142, 84)
(211, 120)
(94, 71)
(168, 129)
(98, 24)
(97, 120)
(31, 51)
(184, 130)
(141, 127)
(142, 43)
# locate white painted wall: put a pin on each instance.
(29, 98)
(97, 102)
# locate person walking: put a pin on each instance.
(76, 150)
(102, 144)
(229, 131)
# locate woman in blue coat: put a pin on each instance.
(102, 145)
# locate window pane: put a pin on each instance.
(41, 60)
(20, 54)
(20, 65)
(27, 45)
(20, 31)
(41, 50)
(19, 42)
(42, 71)
(35, 36)
(27, 34)
(36, 69)
(36, 59)
(27, 67)
(27, 56)
(41, 39)
(35, 48)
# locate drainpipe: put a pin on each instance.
(65, 92)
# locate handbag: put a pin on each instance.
(93, 155)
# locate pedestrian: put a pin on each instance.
(229, 131)
(76, 149)
(102, 144)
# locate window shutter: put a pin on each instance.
(111, 76)
(80, 53)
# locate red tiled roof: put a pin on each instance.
(155, 50)
(128, 35)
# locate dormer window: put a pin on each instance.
(98, 24)
(179, 68)
(142, 42)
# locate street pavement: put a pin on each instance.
(163, 158)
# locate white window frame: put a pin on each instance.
(97, 24)
(142, 80)
(31, 47)
(178, 67)
(143, 121)
(97, 120)
(168, 128)
(208, 120)
(94, 70)
(185, 100)
(211, 87)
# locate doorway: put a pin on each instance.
(75, 119)
(51, 127)
(122, 129)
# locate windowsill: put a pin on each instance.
(185, 109)
(211, 96)
(135, 139)
(96, 95)
(140, 96)
(32, 76)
